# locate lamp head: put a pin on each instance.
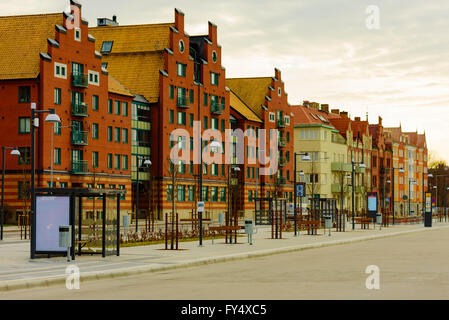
(306, 157)
(53, 118)
(15, 152)
(301, 173)
(430, 175)
(362, 165)
(147, 162)
(236, 169)
(401, 170)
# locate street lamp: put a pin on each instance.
(360, 165)
(14, 152)
(401, 170)
(228, 218)
(147, 163)
(51, 118)
(305, 157)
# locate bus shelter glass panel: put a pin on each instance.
(111, 226)
(88, 225)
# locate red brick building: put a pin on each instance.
(182, 79)
(50, 60)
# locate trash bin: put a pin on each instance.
(379, 218)
(328, 222)
(65, 239)
(221, 218)
(249, 230)
(126, 221)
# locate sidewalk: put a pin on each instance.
(17, 271)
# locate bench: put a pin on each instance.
(364, 222)
(311, 225)
(224, 228)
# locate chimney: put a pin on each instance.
(335, 111)
(344, 114)
(114, 18)
(179, 20)
(315, 105)
(277, 73)
(325, 108)
(305, 103)
(212, 32)
(357, 119)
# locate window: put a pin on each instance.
(181, 167)
(57, 96)
(214, 79)
(191, 167)
(214, 194)
(117, 162)
(205, 123)
(125, 135)
(77, 34)
(181, 69)
(125, 109)
(94, 78)
(287, 120)
(110, 106)
(60, 70)
(181, 46)
(214, 169)
(214, 123)
(223, 125)
(205, 99)
(95, 102)
(223, 194)
(181, 194)
(171, 117)
(94, 160)
(191, 96)
(271, 117)
(169, 192)
(94, 130)
(24, 94)
(57, 156)
(106, 47)
(109, 133)
(191, 193)
(279, 91)
(25, 155)
(172, 92)
(182, 118)
(117, 108)
(24, 125)
(57, 128)
(250, 195)
(125, 162)
(214, 56)
(109, 160)
(181, 97)
(63, 184)
(205, 192)
(191, 119)
(117, 134)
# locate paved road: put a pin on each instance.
(413, 266)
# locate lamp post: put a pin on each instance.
(360, 165)
(14, 152)
(146, 162)
(51, 118)
(305, 157)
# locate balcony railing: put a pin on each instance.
(282, 162)
(281, 180)
(79, 109)
(80, 80)
(79, 138)
(282, 142)
(216, 108)
(281, 123)
(340, 166)
(182, 102)
(79, 166)
(234, 181)
(335, 188)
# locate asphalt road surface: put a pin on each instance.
(414, 266)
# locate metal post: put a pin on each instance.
(3, 193)
(294, 195)
(137, 195)
(409, 180)
(352, 186)
(33, 191)
(392, 194)
(52, 156)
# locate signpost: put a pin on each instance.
(428, 212)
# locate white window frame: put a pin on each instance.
(287, 120)
(60, 65)
(274, 117)
(74, 34)
(93, 73)
(279, 91)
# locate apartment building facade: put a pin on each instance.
(50, 60)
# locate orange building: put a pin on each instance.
(50, 60)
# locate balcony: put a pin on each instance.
(282, 142)
(282, 162)
(335, 188)
(281, 123)
(79, 138)
(79, 166)
(182, 102)
(281, 180)
(79, 109)
(234, 181)
(80, 80)
(359, 170)
(359, 189)
(216, 108)
(340, 166)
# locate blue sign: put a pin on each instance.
(300, 189)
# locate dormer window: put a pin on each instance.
(77, 34)
(181, 46)
(106, 47)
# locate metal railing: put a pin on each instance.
(79, 166)
(79, 109)
(79, 137)
(80, 80)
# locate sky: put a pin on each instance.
(392, 61)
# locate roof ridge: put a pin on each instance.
(31, 15)
(134, 25)
(247, 78)
(244, 103)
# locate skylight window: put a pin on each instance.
(107, 46)
(314, 116)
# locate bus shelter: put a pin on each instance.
(93, 214)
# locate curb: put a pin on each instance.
(88, 276)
